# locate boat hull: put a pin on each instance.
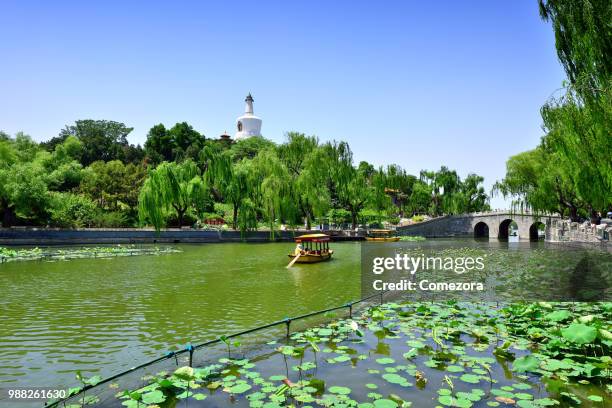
(313, 258)
(380, 239)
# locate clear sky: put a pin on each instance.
(417, 83)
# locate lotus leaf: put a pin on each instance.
(579, 333)
(526, 363)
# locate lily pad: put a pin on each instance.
(394, 378)
(385, 403)
(526, 363)
(240, 388)
(470, 378)
(339, 390)
(579, 333)
(558, 315)
(199, 397)
(153, 397)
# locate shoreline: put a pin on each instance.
(86, 236)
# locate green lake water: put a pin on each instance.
(102, 316)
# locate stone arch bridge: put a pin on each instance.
(494, 224)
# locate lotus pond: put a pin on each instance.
(410, 354)
(103, 315)
(64, 254)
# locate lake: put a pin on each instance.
(102, 316)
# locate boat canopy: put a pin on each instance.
(380, 232)
(312, 238)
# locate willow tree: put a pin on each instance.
(308, 191)
(270, 188)
(347, 185)
(580, 134)
(578, 123)
(171, 187)
(536, 180)
(402, 183)
(230, 181)
(473, 197)
(312, 193)
(379, 199)
(354, 193)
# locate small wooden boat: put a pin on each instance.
(381, 235)
(315, 248)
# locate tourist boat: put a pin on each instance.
(381, 235)
(315, 248)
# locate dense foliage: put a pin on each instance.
(303, 181)
(90, 176)
(571, 170)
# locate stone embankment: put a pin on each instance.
(53, 236)
(567, 231)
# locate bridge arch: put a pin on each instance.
(481, 230)
(534, 230)
(500, 224)
(504, 228)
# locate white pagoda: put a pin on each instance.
(248, 125)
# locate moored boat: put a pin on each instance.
(312, 248)
(381, 235)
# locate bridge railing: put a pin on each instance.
(513, 212)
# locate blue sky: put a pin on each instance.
(420, 84)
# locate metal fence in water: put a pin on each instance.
(190, 356)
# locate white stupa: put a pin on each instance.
(248, 124)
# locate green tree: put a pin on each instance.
(578, 123)
(230, 183)
(536, 180)
(171, 187)
(270, 188)
(28, 174)
(114, 186)
(69, 210)
(307, 191)
(472, 195)
(104, 140)
(347, 185)
(420, 198)
(186, 142)
(380, 200)
(583, 40)
(159, 145)
(181, 142)
(579, 134)
(249, 147)
(400, 185)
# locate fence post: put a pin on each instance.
(191, 349)
(350, 306)
(172, 353)
(287, 323)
